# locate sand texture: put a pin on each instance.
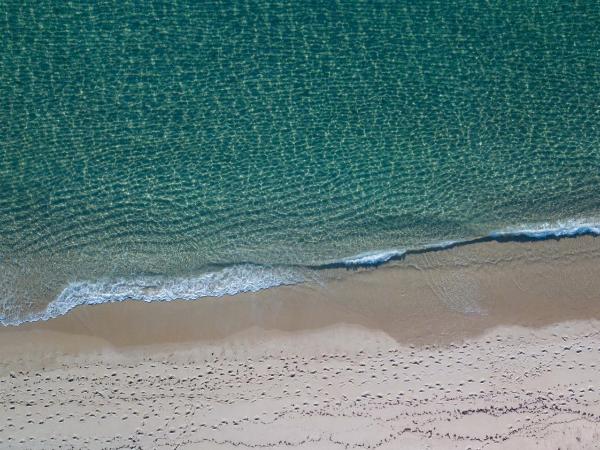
(494, 347)
(337, 388)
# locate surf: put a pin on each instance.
(249, 277)
(227, 281)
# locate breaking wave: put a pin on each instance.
(249, 277)
(228, 281)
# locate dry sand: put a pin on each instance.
(486, 346)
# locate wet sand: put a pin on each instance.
(490, 345)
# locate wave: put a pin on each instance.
(367, 259)
(534, 232)
(249, 277)
(228, 281)
(570, 228)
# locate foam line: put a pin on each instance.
(248, 277)
(228, 281)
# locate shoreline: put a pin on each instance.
(457, 293)
(491, 345)
(263, 277)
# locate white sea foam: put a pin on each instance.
(251, 278)
(372, 258)
(568, 228)
(228, 281)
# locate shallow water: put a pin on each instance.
(146, 144)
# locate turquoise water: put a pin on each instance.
(177, 150)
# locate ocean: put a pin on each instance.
(158, 151)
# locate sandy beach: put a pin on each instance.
(484, 346)
(277, 224)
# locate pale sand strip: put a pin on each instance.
(490, 346)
